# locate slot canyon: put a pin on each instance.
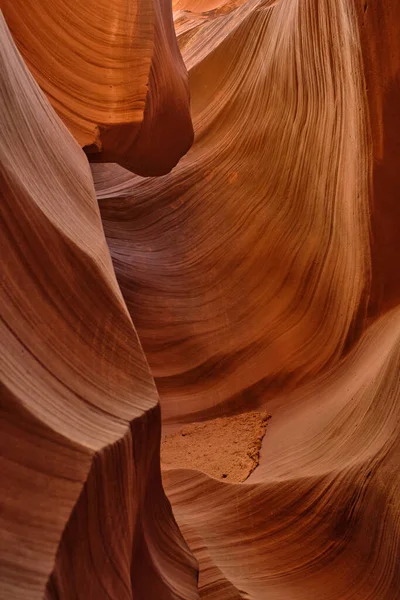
(200, 300)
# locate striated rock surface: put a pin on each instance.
(259, 273)
(319, 516)
(247, 269)
(113, 73)
(259, 277)
(81, 494)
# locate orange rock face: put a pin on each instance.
(83, 513)
(233, 266)
(258, 277)
(113, 73)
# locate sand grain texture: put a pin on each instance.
(226, 448)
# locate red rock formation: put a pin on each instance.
(80, 420)
(113, 73)
(254, 268)
(233, 266)
(319, 517)
(380, 43)
(260, 273)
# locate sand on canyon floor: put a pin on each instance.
(226, 448)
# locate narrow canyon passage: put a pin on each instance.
(200, 300)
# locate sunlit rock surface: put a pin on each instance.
(247, 269)
(114, 74)
(82, 505)
(261, 274)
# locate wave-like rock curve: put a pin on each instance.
(319, 517)
(81, 496)
(260, 264)
(233, 267)
(260, 275)
(114, 74)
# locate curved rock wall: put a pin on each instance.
(113, 73)
(247, 269)
(80, 419)
(259, 275)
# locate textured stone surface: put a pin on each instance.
(114, 74)
(260, 275)
(82, 509)
(225, 448)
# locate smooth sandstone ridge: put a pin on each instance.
(113, 73)
(262, 273)
(247, 269)
(319, 517)
(83, 513)
(259, 277)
